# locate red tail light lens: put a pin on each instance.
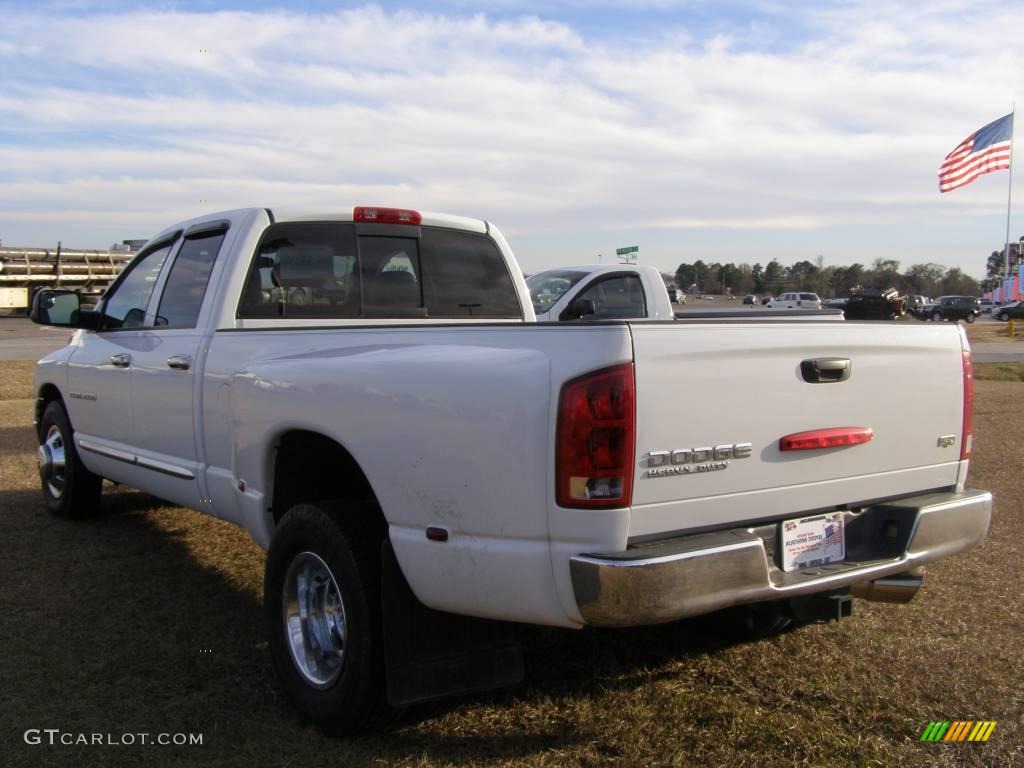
(367, 214)
(833, 437)
(595, 439)
(967, 438)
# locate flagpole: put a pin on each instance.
(1009, 193)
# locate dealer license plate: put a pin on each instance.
(810, 541)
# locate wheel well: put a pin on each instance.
(310, 467)
(48, 393)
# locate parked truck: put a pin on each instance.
(427, 465)
(600, 292)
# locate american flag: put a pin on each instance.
(984, 151)
(833, 534)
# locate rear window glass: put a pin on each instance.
(323, 269)
(464, 275)
(303, 269)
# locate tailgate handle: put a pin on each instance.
(826, 370)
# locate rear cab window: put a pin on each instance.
(332, 270)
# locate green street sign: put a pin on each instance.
(630, 249)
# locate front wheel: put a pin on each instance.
(1003, 316)
(70, 490)
(322, 610)
(937, 317)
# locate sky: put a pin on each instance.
(694, 129)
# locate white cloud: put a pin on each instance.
(526, 121)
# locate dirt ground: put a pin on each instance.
(147, 619)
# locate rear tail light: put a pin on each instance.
(370, 215)
(967, 438)
(594, 441)
(833, 437)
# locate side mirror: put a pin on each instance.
(63, 309)
(56, 307)
(578, 309)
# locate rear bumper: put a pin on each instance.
(698, 574)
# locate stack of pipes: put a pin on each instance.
(73, 268)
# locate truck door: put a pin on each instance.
(166, 372)
(99, 372)
(616, 296)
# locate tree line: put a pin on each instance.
(774, 278)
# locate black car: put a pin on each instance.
(750, 299)
(875, 304)
(952, 308)
(1008, 311)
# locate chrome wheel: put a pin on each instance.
(314, 620)
(52, 461)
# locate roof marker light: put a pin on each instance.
(372, 215)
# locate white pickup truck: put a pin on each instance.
(368, 394)
(600, 292)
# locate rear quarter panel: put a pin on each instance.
(453, 427)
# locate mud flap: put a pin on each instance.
(431, 654)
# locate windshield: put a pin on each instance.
(546, 288)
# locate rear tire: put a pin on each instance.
(70, 490)
(322, 609)
(970, 318)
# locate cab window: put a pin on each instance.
(125, 306)
(324, 269)
(303, 269)
(618, 297)
(186, 284)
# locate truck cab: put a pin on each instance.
(600, 292)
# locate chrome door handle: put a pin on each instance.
(122, 360)
(179, 362)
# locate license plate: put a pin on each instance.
(810, 541)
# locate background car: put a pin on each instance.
(1007, 311)
(796, 300)
(750, 299)
(952, 308)
(987, 305)
(875, 304)
(765, 300)
(834, 303)
(915, 303)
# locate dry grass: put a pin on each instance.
(103, 624)
(999, 371)
(994, 332)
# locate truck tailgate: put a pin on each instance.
(704, 386)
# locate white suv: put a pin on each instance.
(796, 301)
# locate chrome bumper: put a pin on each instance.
(698, 574)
